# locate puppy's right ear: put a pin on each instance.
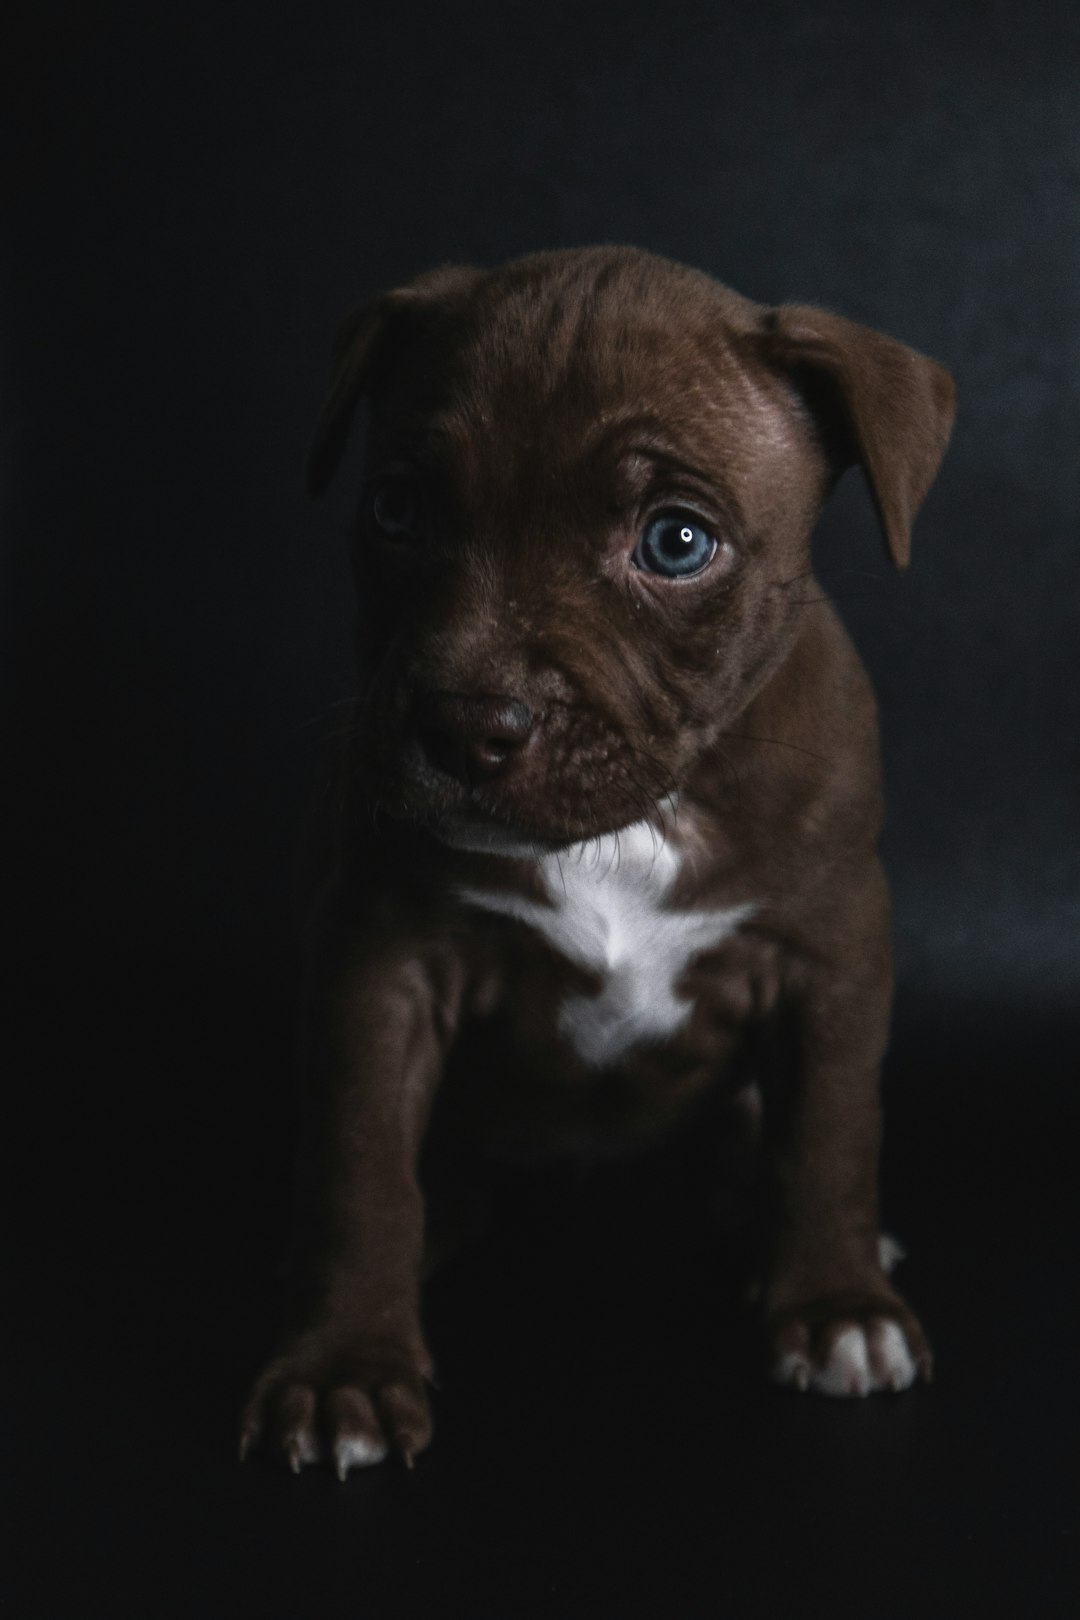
(365, 342)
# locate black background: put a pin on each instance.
(195, 195)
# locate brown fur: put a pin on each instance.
(544, 410)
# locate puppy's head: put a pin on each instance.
(591, 480)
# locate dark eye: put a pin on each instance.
(395, 506)
(674, 545)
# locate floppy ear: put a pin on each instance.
(365, 341)
(876, 401)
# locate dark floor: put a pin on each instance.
(588, 1461)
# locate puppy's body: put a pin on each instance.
(608, 823)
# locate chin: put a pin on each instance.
(482, 834)
(476, 837)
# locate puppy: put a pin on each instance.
(612, 797)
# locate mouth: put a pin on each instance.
(515, 815)
(474, 831)
(468, 820)
(468, 824)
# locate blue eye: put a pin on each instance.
(676, 545)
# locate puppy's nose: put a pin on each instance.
(472, 737)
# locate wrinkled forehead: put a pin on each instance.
(555, 396)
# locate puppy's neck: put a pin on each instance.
(605, 905)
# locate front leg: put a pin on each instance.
(832, 1321)
(348, 1384)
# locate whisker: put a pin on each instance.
(846, 596)
(823, 573)
(817, 574)
(775, 742)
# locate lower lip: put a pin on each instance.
(481, 838)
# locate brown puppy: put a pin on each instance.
(580, 559)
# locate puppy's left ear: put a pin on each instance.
(876, 402)
(365, 345)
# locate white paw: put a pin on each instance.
(858, 1361)
(357, 1451)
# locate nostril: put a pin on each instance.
(471, 737)
(509, 725)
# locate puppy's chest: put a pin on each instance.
(606, 908)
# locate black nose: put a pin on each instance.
(471, 737)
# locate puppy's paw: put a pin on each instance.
(844, 1347)
(343, 1402)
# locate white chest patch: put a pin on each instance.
(606, 912)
